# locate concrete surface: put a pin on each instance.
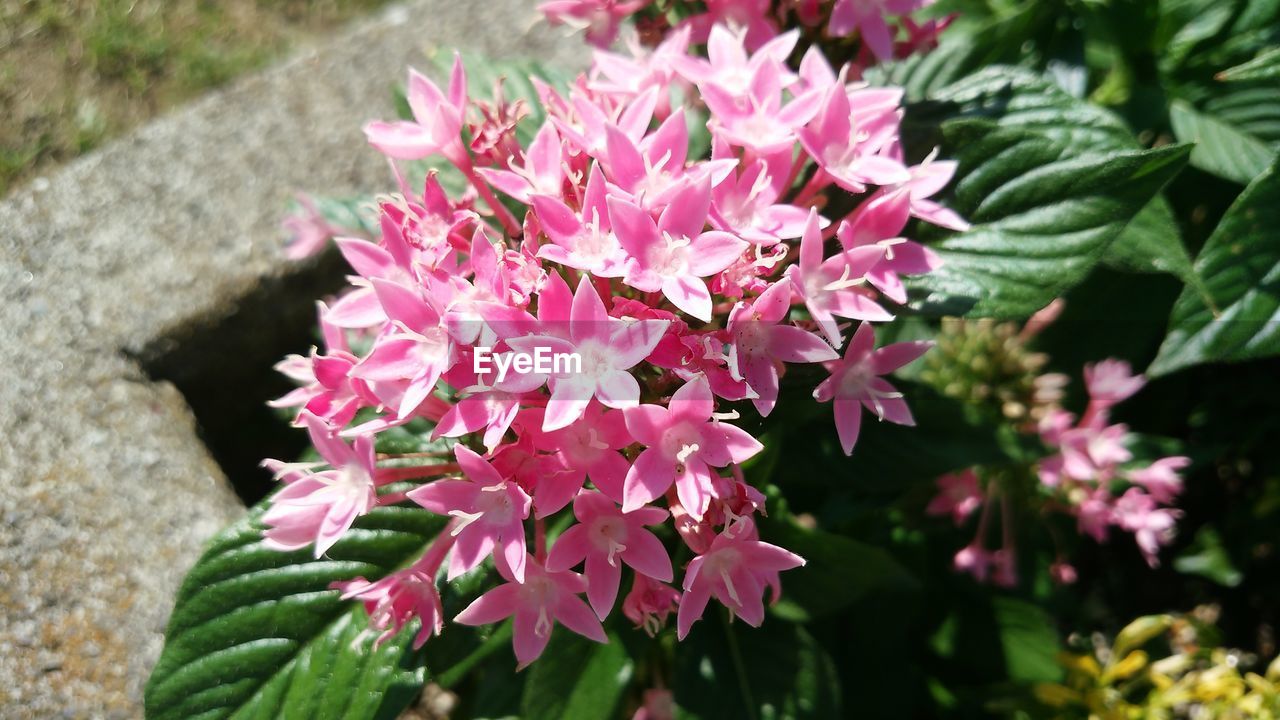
(106, 493)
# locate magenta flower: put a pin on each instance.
(834, 287)
(673, 254)
(759, 344)
(607, 348)
(588, 448)
(319, 507)
(683, 442)
(735, 570)
(542, 599)
(606, 538)
(869, 19)
(599, 19)
(490, 512)
(855, 383)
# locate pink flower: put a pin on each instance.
(650, 603)
(581, 240)
(588, 448)
(319, 507)
(397, 599)
(855, 383)
(541, 600)
(490, 512)
(600, 19)
(832, 287)
(850, 143)
(437, 119)
(959, 495)
(735, 570)
(659, 704)
(683, 443)
(606, 538)
(1110, 382)
(607, 348)
(673, 254)
(1152, 526)
(1161, 478)
(541, 174)
(879, 222)
(416, 352)
(928, 179)
(747, 204)
(759, 344)
(869, 19)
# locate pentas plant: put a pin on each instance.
(581, 320)
(1090, 475)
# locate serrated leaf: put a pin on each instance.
(1240, 268)
(1221, 148)
(577, 679)
(1014, 97)
(1042, 216)
(256, 631)
(1265, 66)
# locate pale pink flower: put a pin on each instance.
(1161, 478)
(855, 383)
(682, 443)
(319, 507)
(607, 538)
(437, 119)
(582, 240)
(1152, 526)
(490, 511)
(760, 342)
(746, 204)
(735, 570)
(537, 603)
(1110, 382)
(928, 179)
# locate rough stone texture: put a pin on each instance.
(106, 495)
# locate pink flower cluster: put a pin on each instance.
(884, 27)
(1090, 474)
(676, 283)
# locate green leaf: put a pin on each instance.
(1220, 148)
(257, 632)
(838, 571)
(1029, 639)
(1209, 559)
(1265, 66)
(577, 678)
(1042, 217)
(774, 672)
(1240, 268)
(1152, 243)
